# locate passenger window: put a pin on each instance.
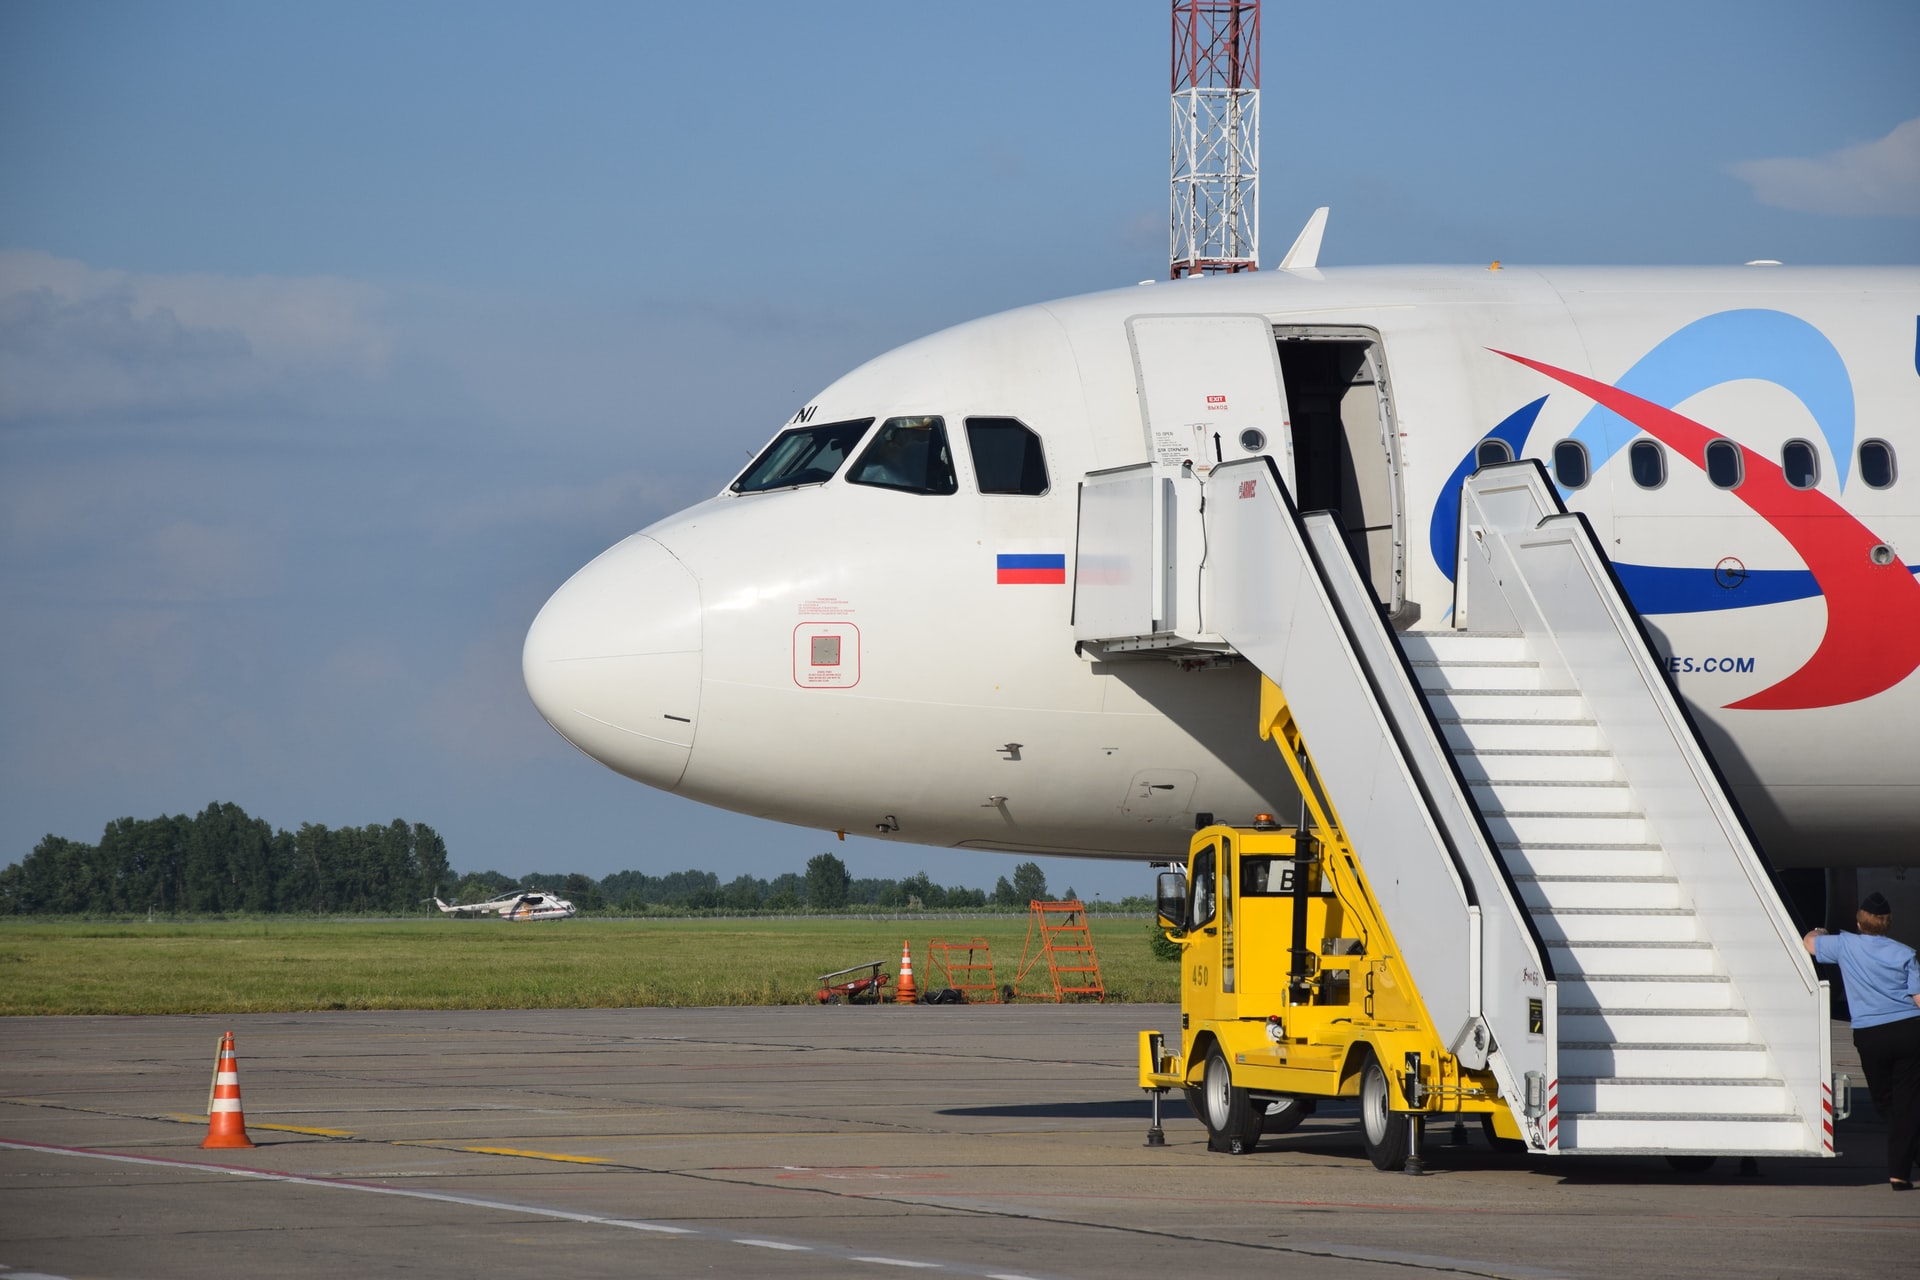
(1649, 463)
(1200, 901)
(1007, 457)
(1489, 453)
(1570, 464)
(909, 454)
(1800, 463)
(1723, 464)
(1876, 464)
(804, 455)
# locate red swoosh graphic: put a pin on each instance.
(1873, 611)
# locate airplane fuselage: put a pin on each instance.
(899, 660)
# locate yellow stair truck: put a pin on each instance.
(1293, 990)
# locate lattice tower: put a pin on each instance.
(1215, 202)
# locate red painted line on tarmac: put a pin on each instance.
(344, 1184)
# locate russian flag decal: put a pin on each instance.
(1030, 567)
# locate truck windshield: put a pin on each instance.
(804, 455)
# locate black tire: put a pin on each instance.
(1225, 1108)
(1498, 1143)
(1382, 1129)
(1690, 1164)
(1288, 1118)
(834, 999)
(1194, 1104)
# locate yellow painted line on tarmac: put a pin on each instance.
(184, 1118)
(534, 1155)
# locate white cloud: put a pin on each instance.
(1866, 179)
(77, 340)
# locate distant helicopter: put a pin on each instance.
(516, 904)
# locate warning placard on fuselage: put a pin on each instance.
(826, 655)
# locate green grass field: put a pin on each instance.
(265, 965)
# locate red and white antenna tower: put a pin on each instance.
(1216, 136)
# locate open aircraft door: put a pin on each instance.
(1210, 390)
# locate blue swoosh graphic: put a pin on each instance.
(1445, 527)
(1732, 346)
(1658, 588)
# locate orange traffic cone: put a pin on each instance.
(226, 1123)
(905, 992)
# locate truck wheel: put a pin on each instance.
(1288, 1117)
(1229, 1114)
(1382, 1129)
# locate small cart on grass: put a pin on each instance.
(839, 987)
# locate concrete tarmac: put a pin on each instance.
(965, 1141)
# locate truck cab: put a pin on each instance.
(1292, 991)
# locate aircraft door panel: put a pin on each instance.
(1209, 387)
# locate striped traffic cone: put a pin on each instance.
(226, 1123)
(905, 993)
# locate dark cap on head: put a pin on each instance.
(1876, 904)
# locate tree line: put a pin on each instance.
(223, 861)
(826, 885)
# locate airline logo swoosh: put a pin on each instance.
(1872, 641)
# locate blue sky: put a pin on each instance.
(333, 338)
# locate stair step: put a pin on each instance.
(1572, 960)
(1653, 1131)
(1509, 704)
(1631, 1026)
(1709, 1059)
(1493, 764)
(1703, 1096)
(1556, 795)
(1431, 673)
(1585, 862)
(1583, 924)
(1479, 733)
(1645, 990)
(1622, 830)
(1467, 646)
(1641, 893)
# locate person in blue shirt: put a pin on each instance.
(1883, 991)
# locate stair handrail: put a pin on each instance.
(1527, 563)
(1289, 598)
(1516, 966)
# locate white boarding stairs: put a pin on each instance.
(1559, 862)
(1656, 1050)
(1690, 1019)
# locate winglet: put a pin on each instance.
(1305, 252)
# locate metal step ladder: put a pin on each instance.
(1656, 1051)
(1066, 946)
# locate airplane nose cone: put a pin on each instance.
(613, 661)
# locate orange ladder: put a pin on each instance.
(960, 965)
(1066, 944)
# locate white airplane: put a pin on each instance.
(519, 904)
(870, 629)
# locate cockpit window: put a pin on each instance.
(909, 454)
(804, 455)
(1007, 457)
